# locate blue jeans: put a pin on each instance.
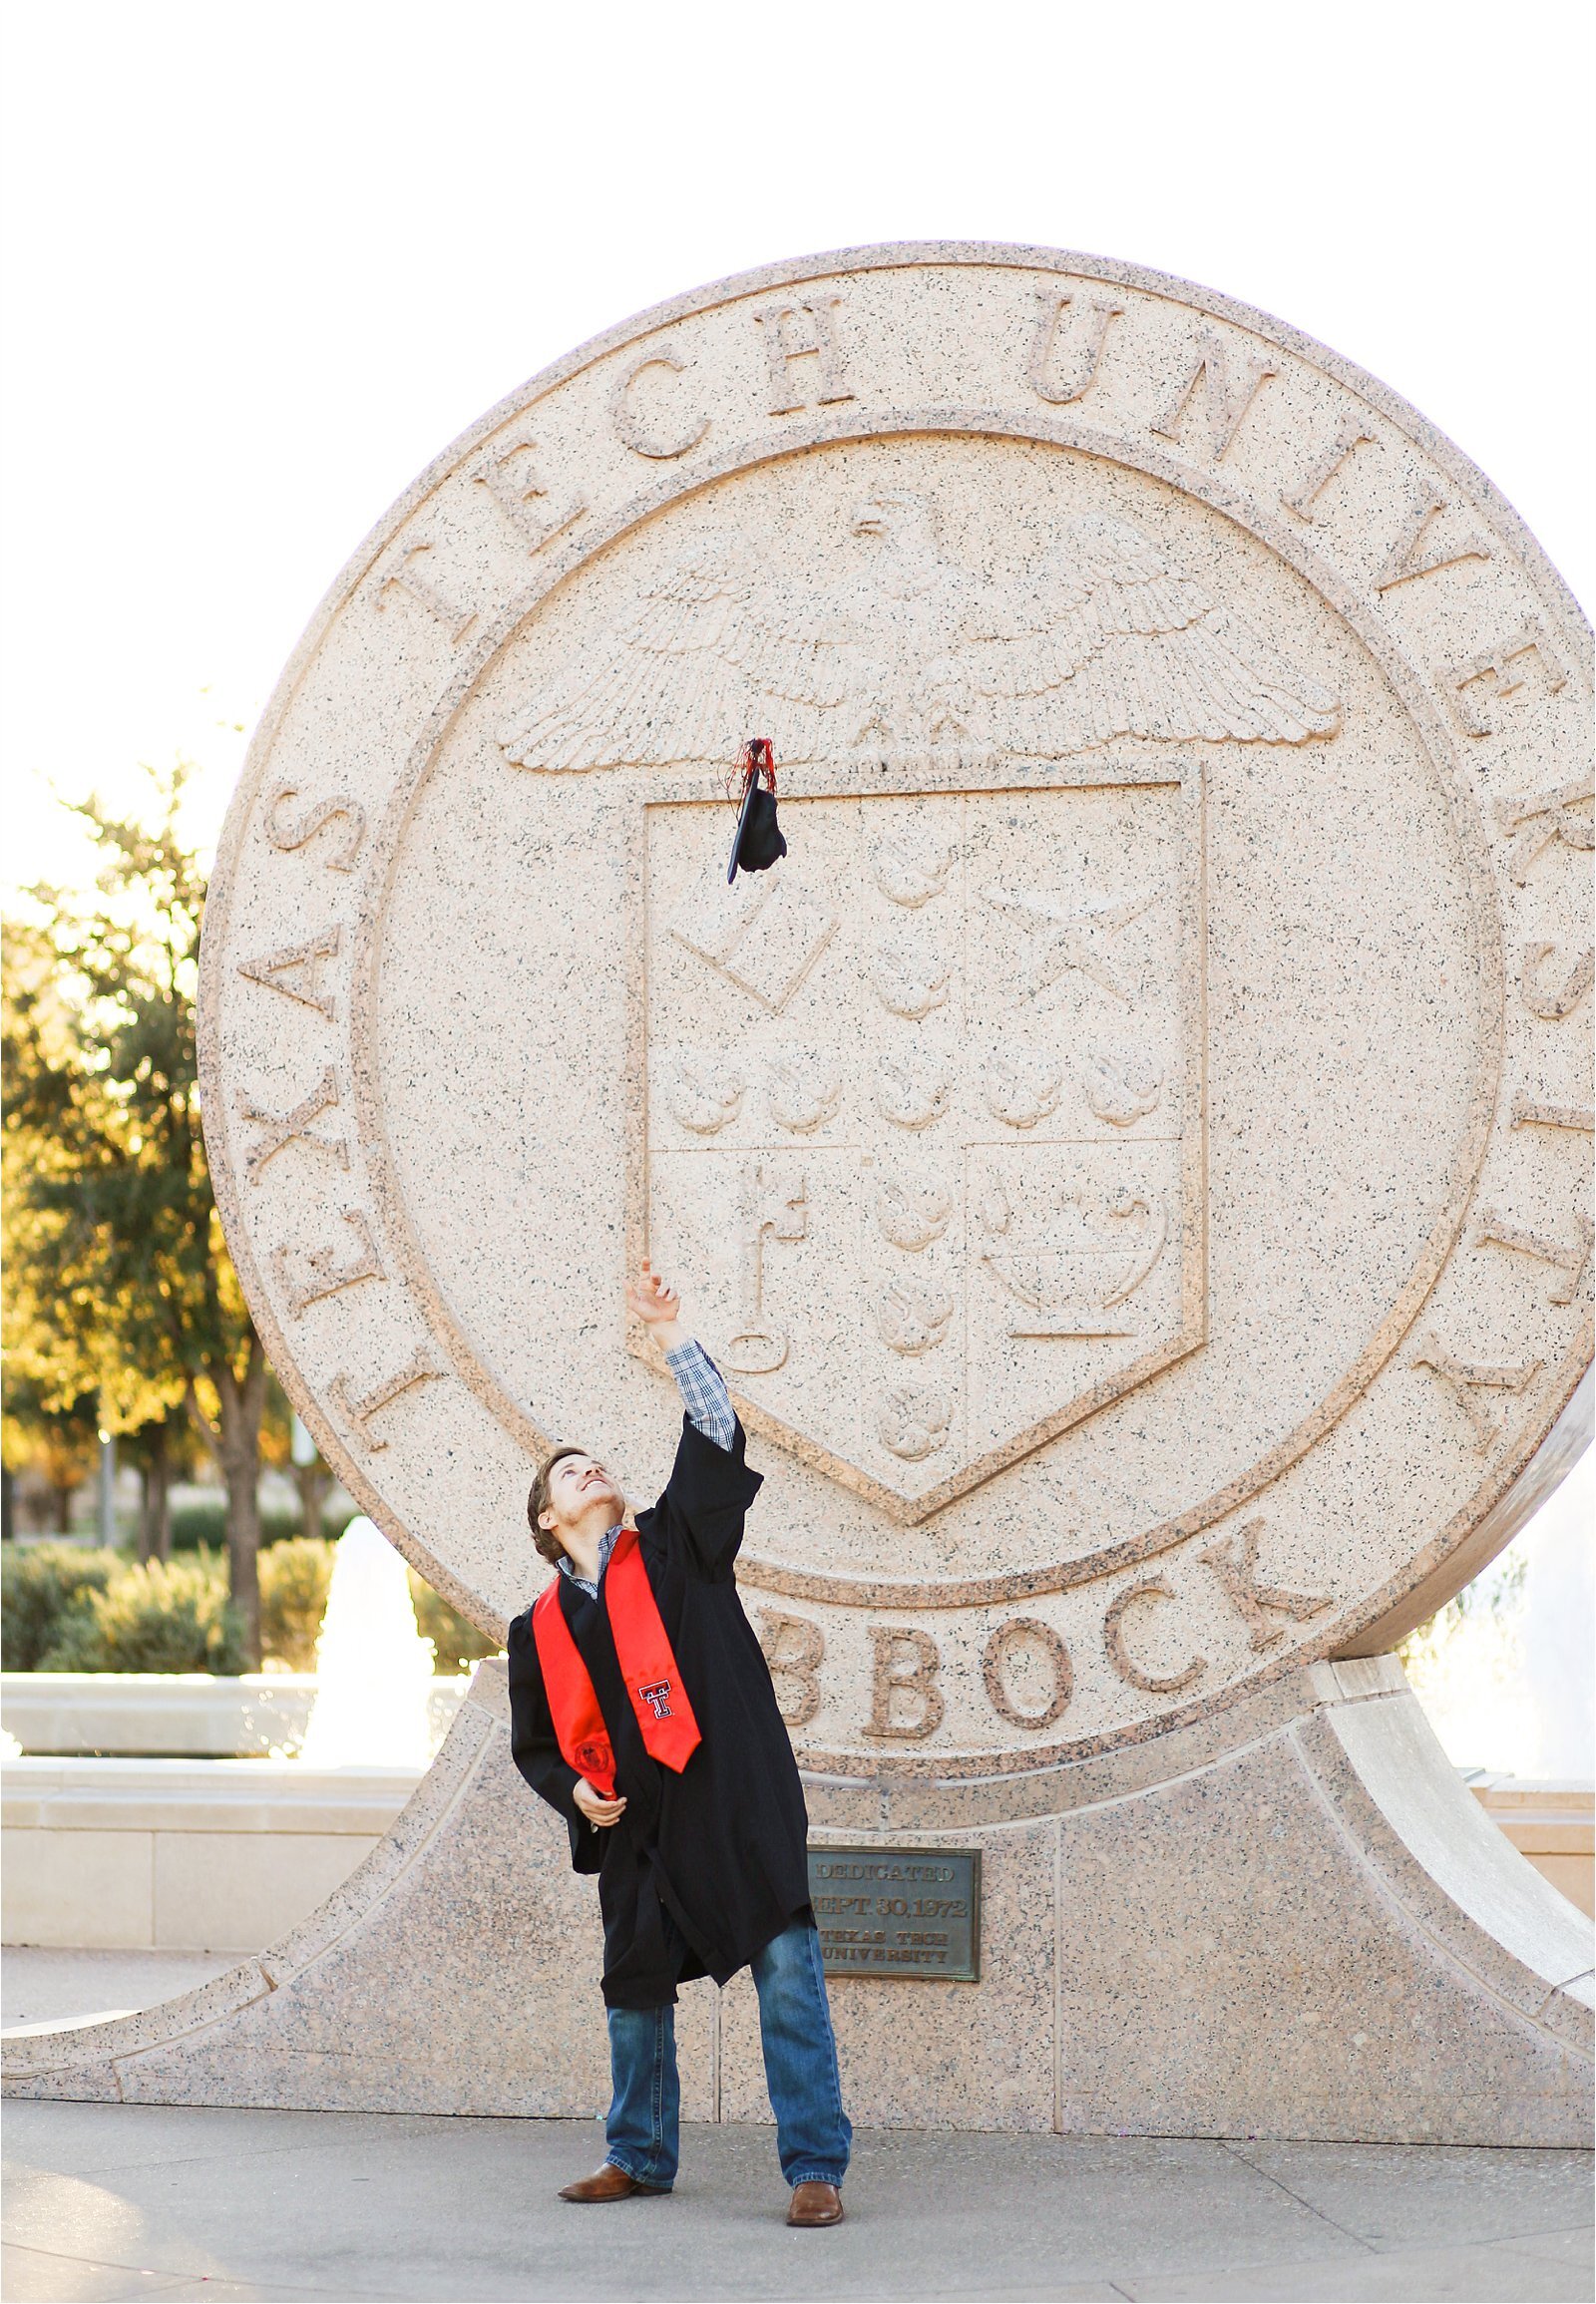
(813, 2133)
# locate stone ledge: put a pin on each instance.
(191, 1714)
(185, 1854)
(221, 1795)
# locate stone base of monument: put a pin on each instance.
(1295, 1923)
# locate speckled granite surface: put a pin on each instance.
(1131, 1156)
(1253, 1948)
(1131, 1159)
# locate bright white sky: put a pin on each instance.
(266, 259)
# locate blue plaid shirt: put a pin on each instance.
(708, 1405)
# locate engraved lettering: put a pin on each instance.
(1554, 1003)
(906, 1664)
(1088, 330)
(1508, 664)
(1231, 378)
(629, 427)
(1021, 1632)
(795, 1649)
(418, 1369)
(291, 832)
(1527, 1113)
(523, 499)
(1567, 1257)
(1463, 1380)
(1151, 1683)
(293, 1127)
(407, 578)
(1407, 558)
(273, 968)
(1301, 499)
(769, 1206)
(1541, 820)
(323, 1274)
(1254, 1602)
(801, 332)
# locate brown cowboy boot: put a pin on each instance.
(814, 2203)
(609, 2183)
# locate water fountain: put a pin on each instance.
(374, 1668)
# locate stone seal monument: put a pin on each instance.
(1131, 1161)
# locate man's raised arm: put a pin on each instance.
(710, 1488)
(704, 1391)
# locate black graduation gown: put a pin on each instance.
(721, 1847)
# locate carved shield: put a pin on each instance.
(1047, 579)
(925, 1112)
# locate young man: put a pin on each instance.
(641, 1709)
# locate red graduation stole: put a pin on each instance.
(648, 1666)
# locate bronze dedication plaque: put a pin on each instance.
(898, 1911)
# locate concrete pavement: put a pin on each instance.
(112, 2202)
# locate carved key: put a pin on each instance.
(774, 1208)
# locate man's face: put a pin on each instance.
(576, 1486)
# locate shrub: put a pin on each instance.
(152, 1615)
(41, 1585)
(294, 1576)
(67, 1609)
(456, 1642)
(205, 1521)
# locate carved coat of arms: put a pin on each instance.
(925, 1103)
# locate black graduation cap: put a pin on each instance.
(759, 842)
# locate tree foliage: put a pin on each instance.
(119, 1283)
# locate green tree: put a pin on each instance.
(124, 1271)
(51, 1408)
(57, 1441)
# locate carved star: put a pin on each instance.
(1072, 936)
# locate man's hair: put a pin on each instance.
(548, 1543)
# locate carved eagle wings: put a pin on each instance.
(1107, 639)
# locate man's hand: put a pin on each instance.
(593, 1805)
(659, 1307)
